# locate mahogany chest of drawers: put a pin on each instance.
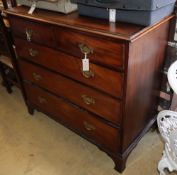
(114, 103)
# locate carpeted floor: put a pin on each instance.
(37, 145)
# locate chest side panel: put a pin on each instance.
(145, 63)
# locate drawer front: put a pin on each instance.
(81, 121)
(103, 51)
(83, 96)
(101, 78)
(31, 31)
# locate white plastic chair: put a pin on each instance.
(167, 123)
(172, 76)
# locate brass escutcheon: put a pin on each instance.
(33, 52)
(88, 100)
(37, 77)
(42, 100)
(89, 127)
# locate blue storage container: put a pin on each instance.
(143, 12)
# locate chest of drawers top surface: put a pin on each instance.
(119, 30)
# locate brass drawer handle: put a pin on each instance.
(88, 74)
(42, 100)
(88, 100)
(89, 127)
(29, 34)
(85, 49)
(33, 52)
(37, 77)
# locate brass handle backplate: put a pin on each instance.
(33, 52)
(88, 100)
(37, 77)
(89, 127)
(85, 49)
(88, 74)
(29, 34)
(42, 100)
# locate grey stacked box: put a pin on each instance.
(63, 6)
(143, 12)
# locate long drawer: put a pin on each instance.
(80, 121)
(103, 79)
(86, 97)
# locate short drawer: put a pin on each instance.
(80, 121)
(104, 51)
(32, 32)
(92, 100)
(100, 78)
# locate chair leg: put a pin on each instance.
(163, 164)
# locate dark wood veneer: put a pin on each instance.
(146, 60)
(73, 91)
(104, 51)
(55, 60)
(75, 118)
(74, 21)
(39, 32)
